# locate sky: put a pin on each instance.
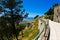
(38, 7)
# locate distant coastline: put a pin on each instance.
(29, 18)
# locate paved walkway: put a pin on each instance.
(54, 30)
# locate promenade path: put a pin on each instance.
(54, 30)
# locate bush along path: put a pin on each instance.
(30, 33)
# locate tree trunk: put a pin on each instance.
(1, 37)
(15, 32)
(16, 38)
(13, 24)
(22, 34)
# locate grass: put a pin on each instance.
(30, 33)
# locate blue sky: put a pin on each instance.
(38, 7)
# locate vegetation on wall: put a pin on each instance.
(50, 13)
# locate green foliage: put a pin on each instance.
(31, 32)
(50, 13)
(56, 5)
(22, 26)
(10, 18)
(36, 16)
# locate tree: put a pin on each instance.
(56, 5)
(21, 27)
(12, 15)
(50, 13)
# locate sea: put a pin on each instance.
(29, 18)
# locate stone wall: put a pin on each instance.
(57, 14)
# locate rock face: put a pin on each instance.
(57, 13)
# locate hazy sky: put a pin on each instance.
(38, 7)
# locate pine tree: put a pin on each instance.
(12, 15)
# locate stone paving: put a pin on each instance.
(54, 30)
